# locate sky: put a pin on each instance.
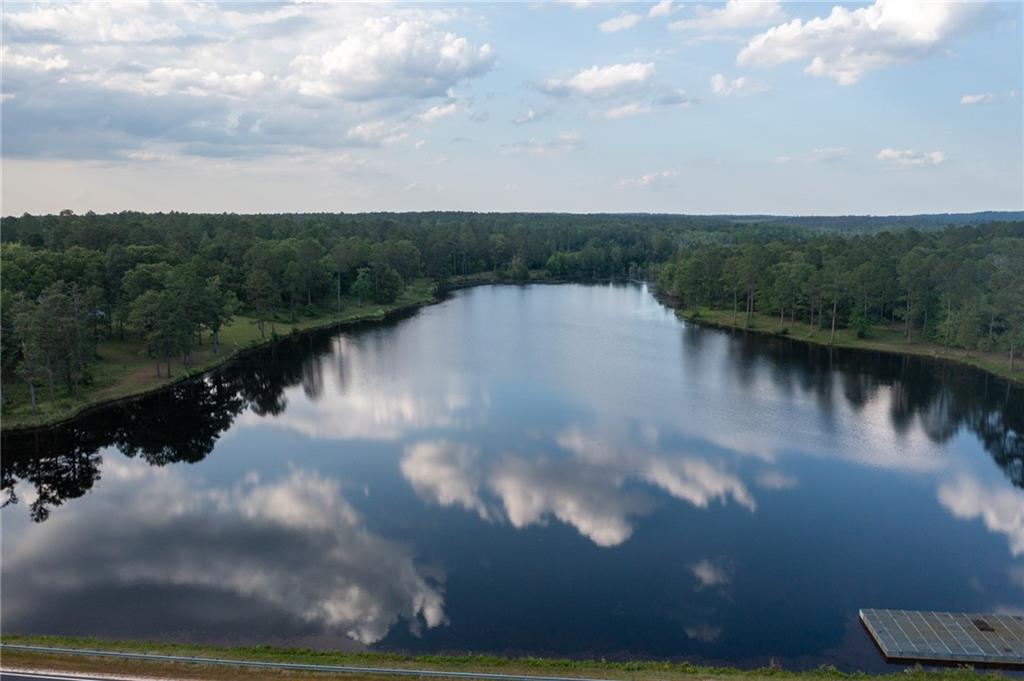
(891, 107)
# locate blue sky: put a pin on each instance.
(740, 107)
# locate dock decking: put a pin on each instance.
(948, 637)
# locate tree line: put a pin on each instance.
(961, 287)
(172, 281)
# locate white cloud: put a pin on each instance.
(600, 82)
(649, 180)
(438, 112)
(529, 116)
(734, 14)
(446, 473)
(977, 99)
(587, 498)
(341, 576)
(708, 574)
(32, 62)
(662, 9)
(391, 57)
(1000, 508)
(627, 110)
(187, 81)
(620, 23)
(723, 87)
(910, 158)
(100, 22)
(775, 480)
(848, 43)
(376, 132)
(567, 141)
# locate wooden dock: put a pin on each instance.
(947, 637)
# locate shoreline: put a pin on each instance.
(765, 325)
(457, 663)
(705, 317)
(316, 326)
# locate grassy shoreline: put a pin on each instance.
(124, 372)
(631, 670)
(888, 339)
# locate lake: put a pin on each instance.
(555, 470)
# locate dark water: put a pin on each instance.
(560, 470)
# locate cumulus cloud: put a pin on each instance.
(188, 81)
(99, 22)
(648, 180)
(33, 62)
(977, 99)
(1001, 508)
(228, 543)
(94, 70)
(600, 82)
(446, 473)
(436, 113)
(662, 9)
(723, 87)
(391, 57)
(586, 490)
(708, 574)
(908, 158)
(734, 14)
(584, 497)
(620, 23)
(848, 43)
(628, 110)
(529, 116)
(775, 480)
(376, 132)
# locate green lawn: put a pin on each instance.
(883, 338)
(123, 368)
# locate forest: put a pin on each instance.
(961, 287)
(172, 281)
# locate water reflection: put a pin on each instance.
(1002, 510)
(561, 470)
(294, 545)
(182, 424)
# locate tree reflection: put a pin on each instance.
(183, 423)
(942, 397)
(179, 424)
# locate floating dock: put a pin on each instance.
(947, 637)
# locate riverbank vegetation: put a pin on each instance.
(623, 670)
(97, 307)
(956, 293)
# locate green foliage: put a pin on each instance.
(169, 280)
(961, 287)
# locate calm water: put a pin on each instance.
(548, 469)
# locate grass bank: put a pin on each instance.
(123, 369)
(878, 338)
(634, 670)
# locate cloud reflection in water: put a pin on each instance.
(295, 544)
